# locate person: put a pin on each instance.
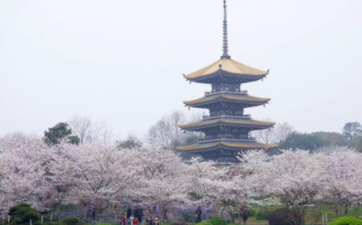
(149, 211)
(165, 214)
(129, 212)
(131, 218)
(140, 215)
(149, 221)
(136, 212)
(198, 214)
(244, 214)
(123, 220)
(135, 221)
(157, 221)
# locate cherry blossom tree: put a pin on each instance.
(340, 177)
(293, 177)
(100, 174)
(23, 168)
(163, 181)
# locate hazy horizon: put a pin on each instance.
(122, 62)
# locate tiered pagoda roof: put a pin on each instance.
(228, 69)
(231, 97)
(228, 121)
(224, 144)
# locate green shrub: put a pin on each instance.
(33, 216)
(23, 210)
(57, 223)
(217, 220)
(17, 220)
(263, 213)
(103, 224)
(251, 212)
(72, 221)
(15, 208)
(347, 220)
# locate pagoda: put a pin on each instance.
(227, 127)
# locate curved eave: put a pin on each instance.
(250, 100)
(244, 78)
(230, 146)
(227, 67)
(208, 124)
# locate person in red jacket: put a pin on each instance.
(135, 221)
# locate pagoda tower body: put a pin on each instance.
(227, 127)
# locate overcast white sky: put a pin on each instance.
(121, 61)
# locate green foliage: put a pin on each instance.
(251, 212)
(347, 221)
(352, 130)
(103, 224)
(70, 221)
(313, 141)
(217, 220)
(23, 213)
(30, 215)
(17, 220)
(132, 142)
(59, 132)
(284, 216)
(57, 223)
(204, 223)
(358, 145)
(264, 213)
(15, 208)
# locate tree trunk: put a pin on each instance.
(345, 210)
(222, 211)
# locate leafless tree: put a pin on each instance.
(89, 131)
(166, 133)
(273, 135)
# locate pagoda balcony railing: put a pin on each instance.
(204, 140)
(208, 93)
(206, 117)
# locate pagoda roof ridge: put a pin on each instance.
(227, 96)
(229, 66)
(226, 144)
(231, 121)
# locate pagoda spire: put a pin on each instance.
(225, 48)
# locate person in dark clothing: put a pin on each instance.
(129, 212)
(140, 215)
(198, 214)
(149, 221)
(244, 214)
(165, 214)
(136, 212)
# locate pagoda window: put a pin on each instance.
(208, 137)
(222, 87)
(220, 160)
(228, 112)
(213, 88)
(239, 113)
(227, 87)
(229, 160)
(237, 88)
(229, 136)
(220, 136)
